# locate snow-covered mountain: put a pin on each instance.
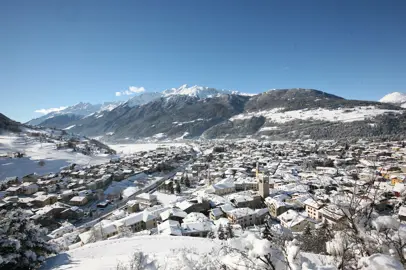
(76, 111)
(197, 91)
(82, 109)
(395, 98)
(197, 111)
(143, 98)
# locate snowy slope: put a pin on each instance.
(179, 253)
(107, 254)
(143, 98)
(343, 114)
(395, 97)
(200, 92)
(34, 151)
(81, 109)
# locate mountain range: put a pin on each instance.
(203, 112)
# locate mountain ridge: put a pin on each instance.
(194, 112)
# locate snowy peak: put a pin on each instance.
(395, 97)
(143, 98)
(197, 91)
(80, 110)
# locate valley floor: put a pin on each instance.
(34, 152)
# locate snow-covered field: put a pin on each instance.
(34, 152)
(127, 149)
(338, 115)
(107, 254)
(186, 253)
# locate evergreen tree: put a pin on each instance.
(267, 232)
(187, 181)
(22, 243)
(220, 233)
(178, 188)
(229, 229)
(307, 231)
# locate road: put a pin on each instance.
(121, 204)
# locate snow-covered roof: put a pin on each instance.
(241, 212)
(173, 212)
(146, 196)
(195, 217)
(78, 199)
(128, 192)
(217, 212)
(184, 204)
(402, 211)
(203, 226)
(137, 217)
(170, 227)
(312, 203)
(399, 187)
(292, 218)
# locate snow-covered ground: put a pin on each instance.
(34, 152)
(338, 115)
(127, 149)
(180, 252)
(107, 254)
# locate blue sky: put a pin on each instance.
(58, 53)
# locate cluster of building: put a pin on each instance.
(227, 184)
(74, 192)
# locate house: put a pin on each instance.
(170, 227)
(332, 215)
(216, 213)
(108, 229)
(399, 189)
(261, 215)
(173, 214)
(276, 206)
(327, 170)
(194, 205)
(78, 200)
(312, 209)
(246, 199)
(66, 227)
(396, 179)
(246, 184)
(72, 213)
(133, 206)
(146, 199)
(14, 190)
(402, 213)
(29, 188)
(196, 224)
(295, 221)
(242, 216)
(138, 221)
(43, 200)
(221, 188)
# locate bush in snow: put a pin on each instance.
(138, 261)
(22, 243)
